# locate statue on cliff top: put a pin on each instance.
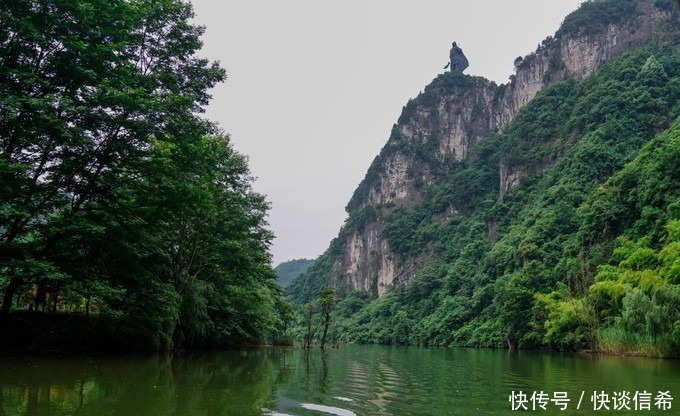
(457, 59)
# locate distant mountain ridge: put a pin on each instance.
(289, 270)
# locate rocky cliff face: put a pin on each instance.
(452, 115)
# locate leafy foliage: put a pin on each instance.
(289, 270)
(594, 15)
(116, 197)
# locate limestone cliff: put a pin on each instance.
(451, 116)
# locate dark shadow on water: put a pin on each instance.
(232, 383)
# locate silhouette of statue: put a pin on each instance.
(457, 59)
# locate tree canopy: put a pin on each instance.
(115, 194)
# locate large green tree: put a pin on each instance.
(211, 239)
(85, 88)
(114, 190)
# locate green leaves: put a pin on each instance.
(594, 15)
(113, 189)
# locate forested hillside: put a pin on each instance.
(559, 231)
(120, 206)
(289, 270)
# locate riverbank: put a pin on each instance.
(616, 341)
(72, 334)
(38, 333)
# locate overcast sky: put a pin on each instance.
(314, 86)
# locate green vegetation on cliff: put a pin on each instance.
(593, 16)
(581, 252)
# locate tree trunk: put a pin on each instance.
(309, 321)
(41, 295)
(511, 345)
(55, 294)
(325, 331)
(9, 295)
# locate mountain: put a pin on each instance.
(478, 222)
(291, 269)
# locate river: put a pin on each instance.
(351, 380)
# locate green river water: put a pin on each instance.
(351, 380)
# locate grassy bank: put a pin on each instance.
(617, 341)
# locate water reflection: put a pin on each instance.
(353, 380)
(328, 409)
(215, 383)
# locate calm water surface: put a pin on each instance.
(352, 380)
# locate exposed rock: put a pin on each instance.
(456, 114)
(492, 231)
(369, 264)
(396, 185)
(509, 178)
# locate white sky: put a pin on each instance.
(314, 87)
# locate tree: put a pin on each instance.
(210, 231)
(85, 89)
(309, 325)
(285, 317)
(114, 190)
(518, 62)
(327, 304)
